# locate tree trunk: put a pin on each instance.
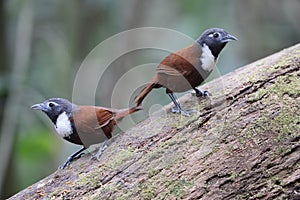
(242, 144)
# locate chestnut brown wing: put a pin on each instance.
(93, 124)
(106, 120)
(180, 70)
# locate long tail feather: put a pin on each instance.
(139, 99)
(124, 112)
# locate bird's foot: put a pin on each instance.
(100, 151)
(200, 93)
(66, 164)
(186, 113)
(69, 160)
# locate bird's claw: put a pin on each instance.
(66, 164)
(69, 160)
(200, 93)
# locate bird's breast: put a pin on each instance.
(63, 125)
(207, 59)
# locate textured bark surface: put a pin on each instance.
(242, 144)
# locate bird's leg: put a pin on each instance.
(200, 93)
(178, 108)
(72, 157)
(100, 151)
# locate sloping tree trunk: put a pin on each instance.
(243, 144)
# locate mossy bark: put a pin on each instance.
(242, 144)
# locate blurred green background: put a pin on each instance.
(42, 44)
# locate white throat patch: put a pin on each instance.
(63, 125)
(207, 59)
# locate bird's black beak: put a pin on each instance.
(39, 106)
(229, 38)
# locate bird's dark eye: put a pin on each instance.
(51, 105)
(216, 35)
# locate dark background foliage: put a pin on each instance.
(42, 44)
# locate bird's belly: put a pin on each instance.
(180, 83)
(88, 139)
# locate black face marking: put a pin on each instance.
(55, 106)
(215, 39)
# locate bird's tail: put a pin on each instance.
(120, 114)
(139, 98)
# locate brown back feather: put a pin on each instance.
(177, 72)
(95, 124)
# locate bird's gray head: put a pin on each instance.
(54, 107)
(215, 39)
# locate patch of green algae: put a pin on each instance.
(289, 85)
(283, 119)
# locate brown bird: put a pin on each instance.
(187, 68)
(82, 125)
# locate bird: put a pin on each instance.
(82, 125)
(188, 67)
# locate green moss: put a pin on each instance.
(196, 143)
(56, 192)
(121, 157)
(60, 192)
(153, 172)
(283, 86)
(282, 150)
(216, 148)
(156, 163)
(257, 96)
(89, 179)
(178, 188)
(233, 175)
(286, 85)
(285, 60)
(284, 119)
(180, 121)
(275, 180)
(259, 195)
(125, 196)
(147, 190)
